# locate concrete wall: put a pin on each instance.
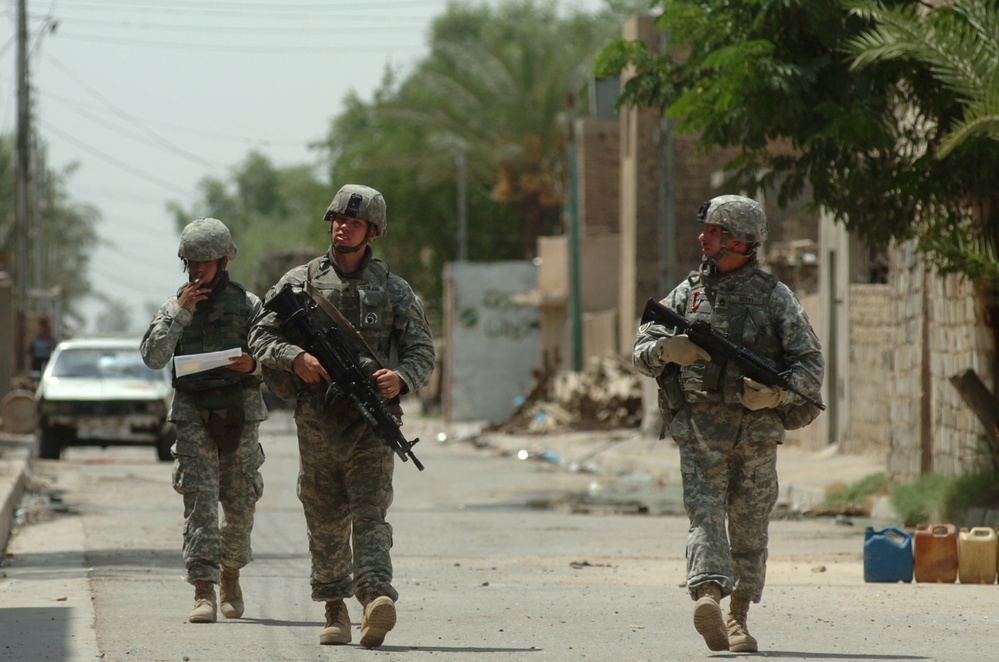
(906, 339)
(598, 164)
(6, 333)
(938, 332)
(493, 344)
(871, 346)
(641, 171)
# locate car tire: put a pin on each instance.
(165, 443)
(49, 444)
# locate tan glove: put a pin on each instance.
(756, 396)
(680, 350)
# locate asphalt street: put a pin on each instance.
(572, 553)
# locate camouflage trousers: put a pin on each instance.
(724, 479)
(345, 486)
(206, 479)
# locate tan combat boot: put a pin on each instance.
(337, 630)
(708, 619)
(378, 620)
(739, 639)
(204, 603)
(230, 595)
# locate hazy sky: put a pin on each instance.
(150, 96)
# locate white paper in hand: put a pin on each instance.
(192, 363)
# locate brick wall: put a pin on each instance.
(933, 331)
(640, 195)
(598, 160)
(870, 350)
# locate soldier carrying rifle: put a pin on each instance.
(726, 424)
(345, 474)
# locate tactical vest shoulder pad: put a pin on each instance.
(379, 268)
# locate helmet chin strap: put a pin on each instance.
(340, 248)
(709, 265)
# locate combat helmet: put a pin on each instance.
(206, 239)
(743, 218)
(358, 201)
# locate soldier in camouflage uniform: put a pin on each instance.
(345, 474)
(217, 413)
(726, 425)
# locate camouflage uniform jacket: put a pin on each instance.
(379, 304)
(166, 331)
(753, 309)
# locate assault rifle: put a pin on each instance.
(722, 349)
(349, 380)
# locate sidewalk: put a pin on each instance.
(15, 451)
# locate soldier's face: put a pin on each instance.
(711, 239)
(348, 232)
(204, 272)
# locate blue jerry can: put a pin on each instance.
(887, 555)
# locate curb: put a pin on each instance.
(15, 452)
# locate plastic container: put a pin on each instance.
(887, 555)
(977, 552)
(935, 553)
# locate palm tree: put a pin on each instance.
(498, 89)
(959, 44)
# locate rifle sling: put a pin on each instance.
(345, 326)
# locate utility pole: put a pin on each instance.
(462, 207)
(21, 189)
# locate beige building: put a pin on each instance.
(898, 339)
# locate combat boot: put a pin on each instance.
(377, 621)
(204, 603)
(230, 594)
(708, 619)
(337, 630)
(739, 639)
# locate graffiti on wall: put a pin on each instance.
(498, 317)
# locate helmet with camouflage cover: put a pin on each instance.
(206, 239)
(358, 201)
(743, 218)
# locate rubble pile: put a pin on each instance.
(606, 394)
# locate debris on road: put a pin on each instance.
(606, 394)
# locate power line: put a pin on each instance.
(197, 6)
(150, 138)
(403, 24)
(117, 162)
(255, 48)
(171, 101)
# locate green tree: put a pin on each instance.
(267, 209)
(499, 85)
(67, 229)
(496, 87)
(959, 43)
(772, 78)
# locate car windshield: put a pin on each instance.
(107, 363)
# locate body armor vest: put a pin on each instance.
(363, 299)
(736, 307)
(220, 322)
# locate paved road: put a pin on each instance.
(486, 573)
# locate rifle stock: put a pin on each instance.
(349, 379)
(723, 349)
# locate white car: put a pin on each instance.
(98, 392)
